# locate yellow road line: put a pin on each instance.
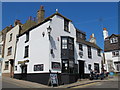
(85, 85)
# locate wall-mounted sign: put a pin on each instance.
(38, 67)
(21, 62)
(56, 65)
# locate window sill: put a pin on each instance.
(67, 31)
(25, 56)
(9, 54)
(26, 41)
(90, 57)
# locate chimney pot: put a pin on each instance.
(17, 22)
(104, 29)
(30, 17)
(41, 7)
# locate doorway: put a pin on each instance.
(81, 69)
(23, 71)
(96, 67)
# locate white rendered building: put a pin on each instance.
(111, 52)
(10, 49)
(54, 45)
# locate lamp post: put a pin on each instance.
(49, 29)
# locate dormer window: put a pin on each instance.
(66, 25)
(114, 40)
(115, 53)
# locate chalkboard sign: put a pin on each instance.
(53, 79)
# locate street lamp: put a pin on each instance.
(49, 29)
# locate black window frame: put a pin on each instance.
(66, 25)
(89, 66)
(26, 54)
(81, 47)
(27, 36)
(98, 52)
(89, 52)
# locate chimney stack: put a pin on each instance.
(11, 26)
(105, 33)
(92, 38)
(40, 14)
(17, 22)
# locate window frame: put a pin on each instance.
(66, 25)
(89, 51)
(27, 36)
(98, 52)
(115, 53)
(11, 37)
(6, 66)
(80, 47)
(26, 53)
(9, 51)
(64, 43)
(114, 40)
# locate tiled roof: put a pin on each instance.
(32, 24)
(88, 43)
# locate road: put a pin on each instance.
(6, 84)
(113, 83)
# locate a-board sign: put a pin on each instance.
(53, 79)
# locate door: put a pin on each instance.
(81, 69)
(23, 71)
(96, 67)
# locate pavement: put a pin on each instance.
(15, 83)
(86, 83)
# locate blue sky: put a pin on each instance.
(86, 16)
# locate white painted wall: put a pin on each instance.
(95, 58)
(38, 49)
(39, 46)
(108, 56)
(57, 25)
(15, 32)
